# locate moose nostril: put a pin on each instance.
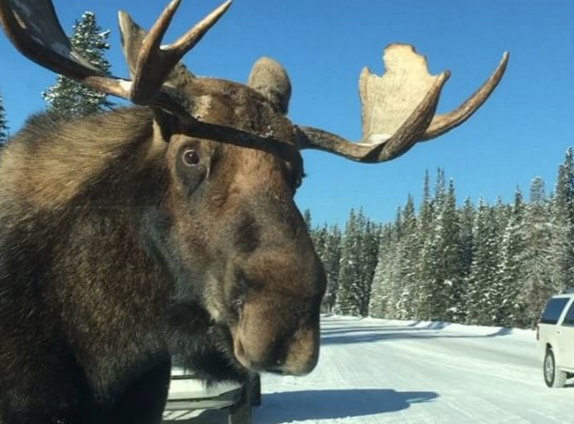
(272, 362)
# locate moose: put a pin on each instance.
(169, 227)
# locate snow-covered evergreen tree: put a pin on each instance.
(426, 209)
(565, 185)
(3, 123)
(484, 277)
(331, 256)
(536, 260)
(308, 220)
(426, 255)
(386, 290)
(562, 213)
(369, 252)
(346, 303)
(69, 98)
(354, 276)
(441, 265)
(448, 292)
(426, 276)
(439, 188)
(466, 218)
(406, 261)
(510, 267)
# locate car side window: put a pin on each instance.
(553, 310)
(569, 319)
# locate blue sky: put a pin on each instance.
(521, 132)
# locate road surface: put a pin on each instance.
(377, 371)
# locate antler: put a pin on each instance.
(33, 27)
(398, 109)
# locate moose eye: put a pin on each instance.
(190, 157)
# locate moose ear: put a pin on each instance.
(132, 36)
(270, 79)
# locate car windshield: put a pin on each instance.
(553, 310)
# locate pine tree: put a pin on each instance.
(447, 293)
(441, 266)
(562, 212)
(510, 269)
(565, 185)
(331, 256)
(483, 277)
(308, 220)
(386, 290)
(466, 218)
(406, 260)
(3, 123)
(536, 260)
(355, 277)
(426, 208)
(348, 272)
(69, 98)
(369, 252)
(439, 187)
(426, 255)
(502, 214)
(537, 192)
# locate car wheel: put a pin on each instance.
(553, 377)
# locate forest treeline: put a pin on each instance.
(482, 264)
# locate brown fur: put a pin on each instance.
(115, 255)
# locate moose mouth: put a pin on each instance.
(202, 344)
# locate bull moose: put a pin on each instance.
(170, 226)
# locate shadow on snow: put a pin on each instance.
(305, 405)
(333, 334)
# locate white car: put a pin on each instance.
(555, 335)
(189, 395)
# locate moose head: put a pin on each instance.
(220, 220)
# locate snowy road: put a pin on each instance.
(375, 371)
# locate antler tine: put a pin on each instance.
(398, 109)
(444, 123)
(155, 62)
(34, 29)
(187, 41)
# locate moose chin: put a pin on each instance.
(169, 227)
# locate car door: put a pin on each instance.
(566, 341)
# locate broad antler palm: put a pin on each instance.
(398, 109)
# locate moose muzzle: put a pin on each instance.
(276, 338)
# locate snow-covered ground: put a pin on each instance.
(397, 372)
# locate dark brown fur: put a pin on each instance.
(114, 256)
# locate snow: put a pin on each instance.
(408, 372)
